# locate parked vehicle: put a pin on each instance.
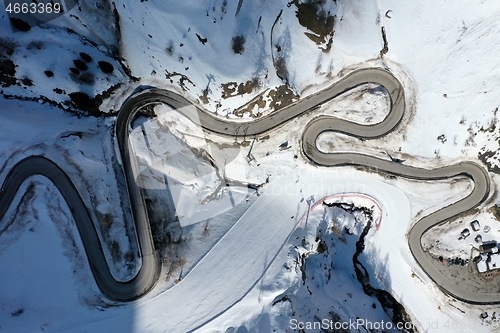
(475, 225)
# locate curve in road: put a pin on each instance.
(122, 291)
(147, 276)
(473, 171)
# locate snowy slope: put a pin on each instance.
(233, 271)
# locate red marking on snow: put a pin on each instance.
(350, 196)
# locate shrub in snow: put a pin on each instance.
(83, 78)
(7, 72)
(80, 65)
(170, 49)
(19, 24)
(8, 45)
(49, 73)
(18, 312)
(87, 78)
(83, 101)
(7, 67)
(37, 44)
(85, 57)
(201, 39)
(238, 44)
(106, 67)
(27, 82)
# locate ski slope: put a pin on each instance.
(235, 265)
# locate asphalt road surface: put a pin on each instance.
(148, 274)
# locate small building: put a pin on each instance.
(481, 264)
(478, 238)
(475, 225)
(494, 262)
(489, 247)
(488, 265)
(465, 233)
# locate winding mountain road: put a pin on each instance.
(148, 274)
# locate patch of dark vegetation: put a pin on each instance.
(84, 102)
(485, 157)
(182, 79)
(19, 24)
(39, 99)
(100, 98)
(74, 70)
(492, 123)
(115, 250)
(83, 78)
(80, 103)
(106, 67)
(81, 65)
(258, 102)
(322, 246)
(202, 40)
(49, 73)
(232, 89)
(86, 57)
(84, 105)
(495, 210)
(27, 82)
(223, 8)
(7, 73)
(170, 48)
(7, 67)
(7, 81)
(18, 312)
(238, 44)
(8, 46)
(314, 17)
(282, 96)
(35, 44)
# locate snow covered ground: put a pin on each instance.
(243, 270)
